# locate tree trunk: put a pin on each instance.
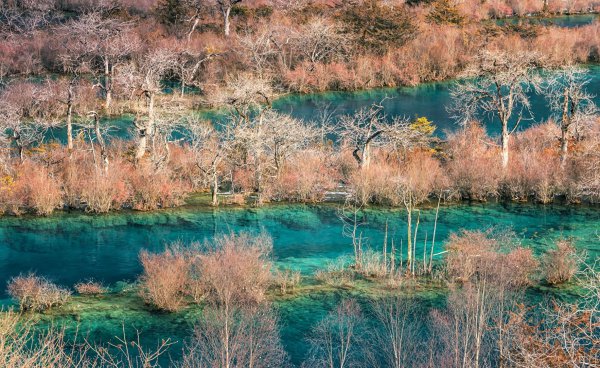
(147, 130)
(258, 178)
(564, 129)
(366, 156)
(409, 235)
(17, 140)
(107, 85)
(226, 13)
(70, 117)
(194, 25)
(103, 153)
(505, 139)
(215, 188)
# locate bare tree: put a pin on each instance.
(249, 101)
(353, 219)
(498, 86)
(566, 92)
(110, 42)
(25, 17)
(210, 148)
(24, 116)
(143, 78)
(369, 127)
(557, 333)
(196, 9)
(188, 64)
(225, 6)
(396, 338)
(320, 41)
(75, 58)
(336, 341)
(259, 49)
(238, 336)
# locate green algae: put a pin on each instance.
(71, 247)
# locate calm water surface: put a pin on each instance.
(69, 248)
(429, 100)
(72, 247)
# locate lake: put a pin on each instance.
(68, 248)
(429, 100)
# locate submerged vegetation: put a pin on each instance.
(486, 317)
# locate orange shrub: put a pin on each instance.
(42, 192)
(474, 255)
(90, 287)
(105, 192)
(36, 293)
(473, 167)
(163, 283)
(237, 268)
(560, 264)
(151, 190)
(305, 178)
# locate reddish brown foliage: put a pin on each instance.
(90, 288)
(36, 293)
(477, 256)
(164, 279)
(561, 264)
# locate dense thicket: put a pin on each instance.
(70, 64)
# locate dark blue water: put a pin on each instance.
(429, 100)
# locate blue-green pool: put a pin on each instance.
(68, 248)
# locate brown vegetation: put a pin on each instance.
(164, 279)
(562, 263)
(25, 345)
(90, 287)
(474, 256)
(232, 269)
(36, 293)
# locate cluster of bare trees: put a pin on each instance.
(502, 85)
(229, 277)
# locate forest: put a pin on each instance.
(118, 117)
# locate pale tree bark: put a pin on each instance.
(101, 142)
(145, 128)
(499, 86)
(225, 7)
(566, 92)
(70, 96)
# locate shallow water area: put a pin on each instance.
(71, 247)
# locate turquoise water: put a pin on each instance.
(72, 247)
(428, 99)
(68, 248)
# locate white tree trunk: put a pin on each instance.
(505, 139)
(70, 117)
(107, 85)
(148, 129)
(226, 14)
